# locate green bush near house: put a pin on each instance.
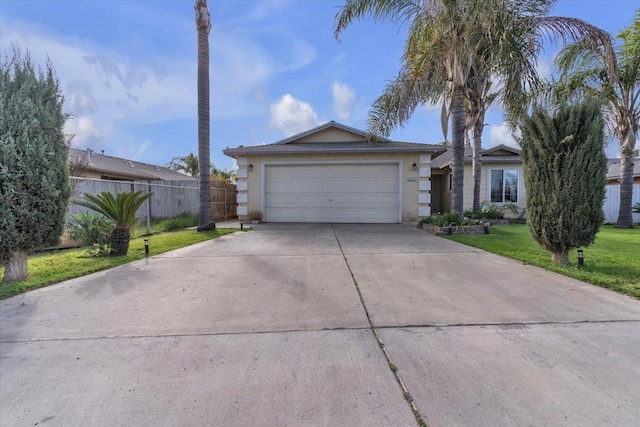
(90, 228)
(491, 212)
(442, 219)
(564, 172)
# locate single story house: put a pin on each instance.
(501, 179)
(89, 164)
(332, 173)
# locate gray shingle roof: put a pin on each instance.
(614, 168)
(444, 159)
(290, 146)
(123, 168)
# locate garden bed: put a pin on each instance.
(458, 229)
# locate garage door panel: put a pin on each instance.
(331, 185)
(333, 215)
(332, 193)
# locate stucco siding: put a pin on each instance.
(330, 135)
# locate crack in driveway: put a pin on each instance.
(392, 367)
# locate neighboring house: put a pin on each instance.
(89, 164)
(612, 200)
(613, 172)
(331, 173)
(501, 181)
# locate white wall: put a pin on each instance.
(612, 203)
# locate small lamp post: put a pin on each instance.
(146, 247)
(580, 258)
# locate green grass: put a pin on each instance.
(50, 268)
(184, 220)
(612, 262)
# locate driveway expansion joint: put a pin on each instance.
(392, 367)
(185, 335)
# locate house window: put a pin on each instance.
(504, 186)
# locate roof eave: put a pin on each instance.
(233, 152)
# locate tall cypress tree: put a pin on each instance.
(564, 173)
(34, 174)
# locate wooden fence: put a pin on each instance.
(170, 198)
(223, 201)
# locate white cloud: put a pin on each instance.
(501, 135)
(291, 116)
(343, 100)
(112, 92)
(84, 131)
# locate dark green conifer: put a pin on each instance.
(564, 174)
(34, 174)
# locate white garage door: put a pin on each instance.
(332, 193)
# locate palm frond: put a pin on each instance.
(395, 11)
(120, 210)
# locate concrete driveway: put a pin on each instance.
(337, 325)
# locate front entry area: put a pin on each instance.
(337, 193)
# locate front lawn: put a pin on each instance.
(54, 267)
(612, 262)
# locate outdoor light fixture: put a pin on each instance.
(250, 168)
(146, 247)
(414, 167)
(580, 258)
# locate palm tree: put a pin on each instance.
(479, 96)
(588, 70)
(189, 164)
(203, 24)
(445, 39)
(222, 175)
(121, 211)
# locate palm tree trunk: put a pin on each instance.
(457, 148)
(477, 160)
(625, 214)
(15, 267)
(203, 24)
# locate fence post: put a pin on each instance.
(148, 208)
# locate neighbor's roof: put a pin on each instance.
(489, 155)
(613, 171)
(123, 168)
(288, 145)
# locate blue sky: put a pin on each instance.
(128, 70)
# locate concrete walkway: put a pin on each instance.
(281, 326)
